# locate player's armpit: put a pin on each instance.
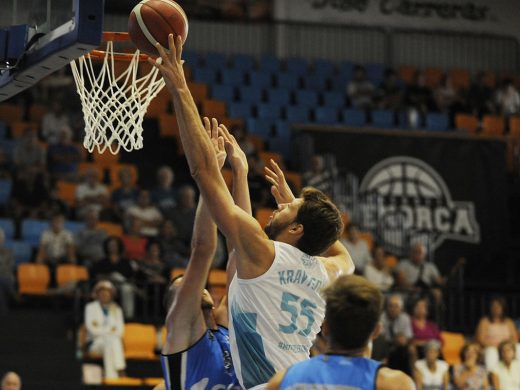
(337, 261)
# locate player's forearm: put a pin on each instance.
(241, 191)
(204, 239)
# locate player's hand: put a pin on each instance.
(279, 188)
(236, 156)
(212, 128)
(170, 64)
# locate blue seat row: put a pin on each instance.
(32, 229)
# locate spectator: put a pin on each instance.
(319, 177)
(63, 157)
(508, 99)
(125, 196)
(91, 194)
(7, 278)
(506, 374)
(164, 196)
(29, 154)
(175, 253)
(493, 329)
(133, 242)
(390, 94)
(149, 216)
(118, 269)
(56, 244)
(90, 239)
(470, 375)
(431, 373)
(357, 248)
(183, 215)
(423, 330)
(105, 327)
(480, 97)
(360, 91)
(152, 269)
(447, 98)
(53, 122)
(11, 381)
(30, 195)
(419, 100)
(377, 271)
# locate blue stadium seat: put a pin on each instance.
(244, 62)
(334, 99)
(205, 75)
(297, 66)
(270, 63)
(346, 73)
(22, 251)
(297, 114)
(8, 146)
(6, 186)
(250, 94)
(287, 80)
(281, 145)
(324, 68)
(326, 115)
(402, 120)
(437, 122)
(280, 96)
(316, 81)
(240, 110)
(32, 230)
(7, 226)
(3, 130)
(269, 111)
(232, 76)
(375, 73)
(306, 98)
(192, 58)
(74, 226)
(215, 60)
(354, 117)
(223, 92)
(383, 118)
(282, 129)
(261, 79)
(260, 127)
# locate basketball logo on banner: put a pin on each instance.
(406, 200)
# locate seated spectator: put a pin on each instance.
(357, 248)
(506, 374)
(175, 253)
(493, 329)
(508, 99)
(133, 241)
(63, 157)
(91, 194)
(470, 375)
(360, 91)
(124, 196)
(7, 278)
(118, 269)
(419, 101)
(390, 94)
(431, 373)
(164, 196)
(29, 154)
(258, 187)
(152, 268)
(149, 216)
(11, 381)
(377, 271)
(29, 195)
(183, 215)
(423, 330)
(447, 98)
(53, 122)
(480, 97)
(56, 244)
(319, 176)
(105, 328)
(90, 239)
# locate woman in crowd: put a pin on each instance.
(423, 329)
(431, 373)
(470, 375)
(493, 329)
(506, 374)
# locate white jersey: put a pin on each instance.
(275, 317)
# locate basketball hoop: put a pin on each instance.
(114, 104)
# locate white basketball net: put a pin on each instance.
(114, 107)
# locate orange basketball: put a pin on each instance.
(152, 21)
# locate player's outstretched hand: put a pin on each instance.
(170, 64)
(212, 128)
(279, 188)
(236, 156)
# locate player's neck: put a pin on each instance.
(359, 352)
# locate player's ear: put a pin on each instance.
(377, 331)
(296, 229)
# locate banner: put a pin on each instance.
(477, 16)
(448, 192)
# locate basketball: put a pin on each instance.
(152, 21)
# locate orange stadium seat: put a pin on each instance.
(114, 173)
(466, 122)
(262, 215)
(152, 381)
(257, 142)
(33, 279)
(514, 126)
(139, 341)
(452, 344)
(18, 129)
(460, 78)
(66, 191)
(37, 112)
(11, 113)
(123, 381)
(199, 91)
(168, 126)
(345, 218)
(69, 273)
(296, 179)
(112, 229)
(84, 167)
(177, 272)
(391, 261)
(407, 73)
(159, 105)
(433, 77)
(213, 108)
(267, 156)
(493, 125)
(105, 159)
(217, 282)
(231, 122)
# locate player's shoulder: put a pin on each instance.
(388, 379)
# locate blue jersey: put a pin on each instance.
(326, 372)
(206, 364)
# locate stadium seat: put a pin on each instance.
(7, 225)
(493, 125)
(346, 73)
(316, 81)
(437, 121)
(407, 73)
(375, 73)
(19, 128)
(213, 108)
(215, 61)
(231, 76)
(433, 77)
(306, 98)
(112, 229)
(223, 92)
(105, 159)
(6, 186)
(159, 104)
(114, 173)
(199, 91)
(37, 112)
(514, 126)
(205, 75)
(334, 99)
(281, 145)
(282, 129)
(22, 251)
(258, 142)
(323, 67)
(74, 226)
(268, 111)
(139, 341)
(243, 62)
(66, 191)
(260, 79)
(490, 79)
(279, 96)
(460, 78)
(70, 273)
(11, 113)
(452, 343)
(260, 127)
(354, 117)
(168, 127)
(296, 179)
(33, 279)
(123, 381)
(152, 382)
(326, 115)
(191, 58)
(240, 110)
(250, 94)
(287, 80)
(297, 114)
(262, 215)
(466, 122)
(383, 119)
(175, 272)
(266, 157)
(32, 230)
(270, 63)
(296, 66)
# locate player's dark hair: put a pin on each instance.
(169, 295)
(321, 220)
(354, 307)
